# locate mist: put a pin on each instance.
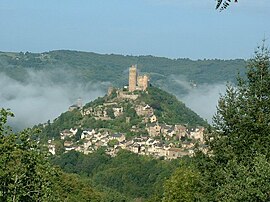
(41, 98)
(202, 98)
(44, 95)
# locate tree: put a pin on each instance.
(223, 4)
(184, 185)
(237, 168)
(242, 119)
(25, 173)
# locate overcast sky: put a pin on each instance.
(171, 28)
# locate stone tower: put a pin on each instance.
(143, 82)
(132, 78)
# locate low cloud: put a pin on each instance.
(41, 97)
(202, 99)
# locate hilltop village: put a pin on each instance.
(147, 134)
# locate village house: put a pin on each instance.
(67, 133)
(52, 149)
(135, 148)
(197, 134)
(145, 110)
(174, 153)
(88, 134)
(153, 129)
(87, 111)
(118, 111)
(110, 103)
(187, 145)
(68, 143)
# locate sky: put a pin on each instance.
(169, 28)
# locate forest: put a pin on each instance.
(112, 69)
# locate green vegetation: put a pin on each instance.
(241, 141)
(25, 172)
(129, 174)
(169, 109)
(166, 107)
(82, 67)
(238, 166)
(184, 185)
(64, 121)
(112, 143)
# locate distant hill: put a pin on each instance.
(86, 66)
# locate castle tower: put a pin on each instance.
(143, 82)
(132, 78)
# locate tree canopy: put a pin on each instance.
(237, 164)
(223, 4)
(239, 147)
(25, 173)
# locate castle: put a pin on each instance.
(137, 82)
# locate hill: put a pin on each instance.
(85, 66)
(122, 116)
(101, 140)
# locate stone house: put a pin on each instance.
(66, 133)
(180, 131)
(144, 110)
(88, 134)
(197, 134)
(174, 153)
(153, 129)
(118, 111)
(153, 119)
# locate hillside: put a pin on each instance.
(118, 142)
(122, 116)
(84, 67)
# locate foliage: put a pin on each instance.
(25, 172)
(184, 185)
(242, 120)
(111, 143)
(129, 174)
(66, 120)
(72, 188)
(223, 4)
(82, 67)
(110, 113)
(245, 182)
(237, 168)
(76, 162)
(169, 109)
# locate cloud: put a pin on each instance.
(41, 97)
(45, 95)
(202, 99)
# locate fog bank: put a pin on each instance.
(41, 98)
(202, 98)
